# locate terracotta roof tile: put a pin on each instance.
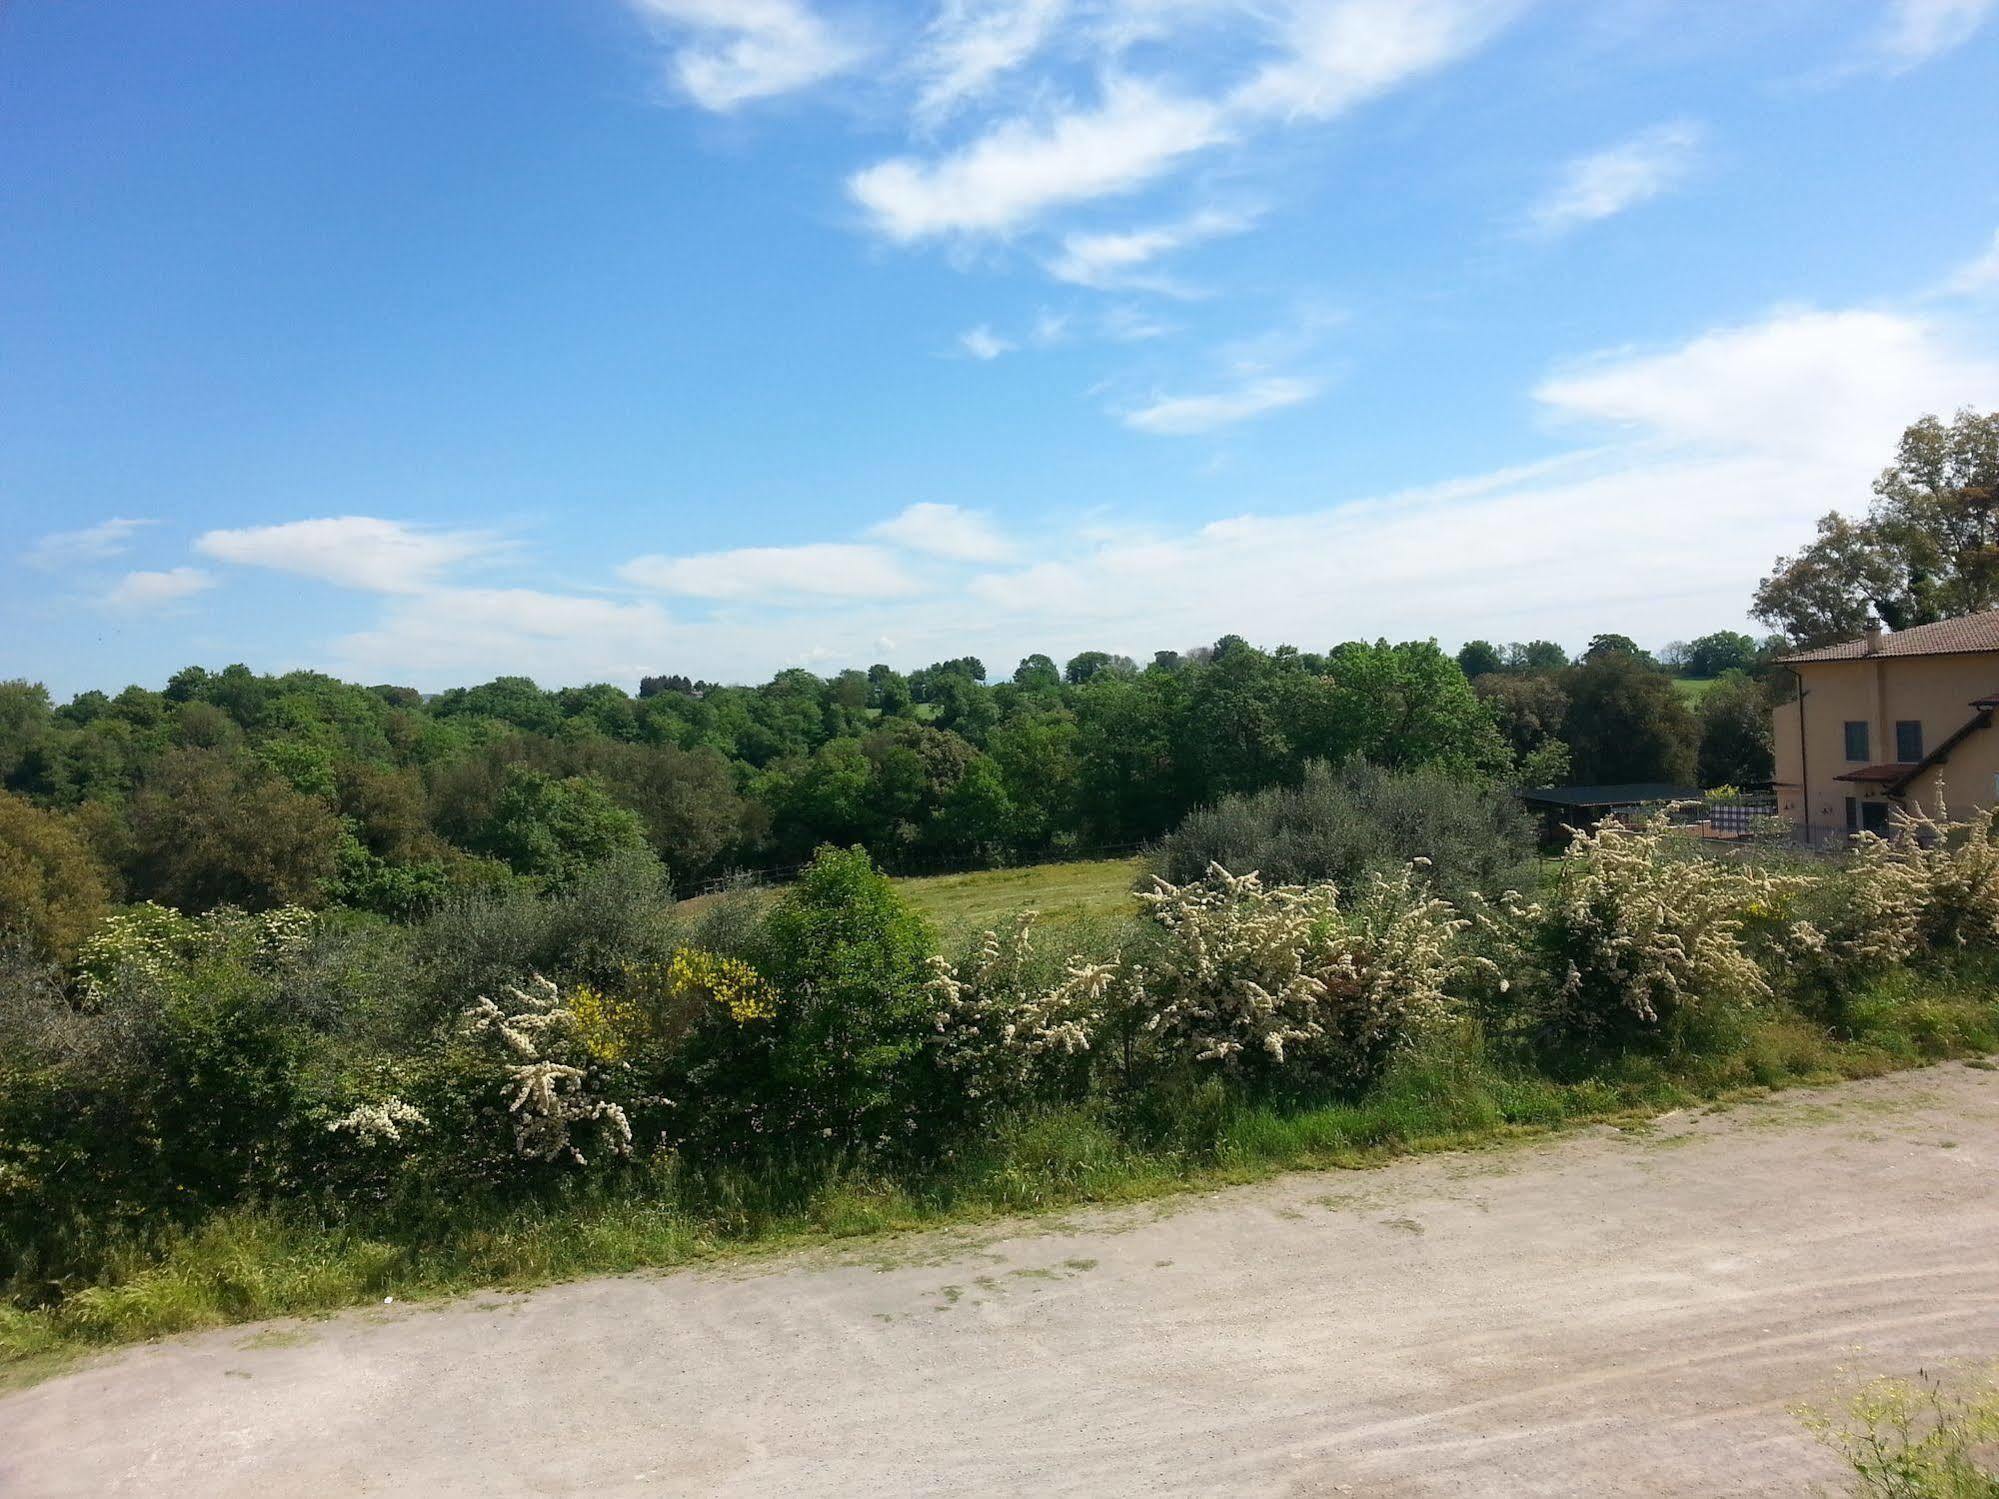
(1947, 637)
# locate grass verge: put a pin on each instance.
(249, 1264)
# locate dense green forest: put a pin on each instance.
(233, 787)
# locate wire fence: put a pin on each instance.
(777, 875)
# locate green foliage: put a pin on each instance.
(1927, 550)
(1341, 825)
(209, 829)
(1625, 724)
(552, 831)
(1735, 734)
(835, 1064)
(1921, 1438)
(51, 889)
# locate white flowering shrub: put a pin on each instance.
(1636, 932)
(1951, 869)
(535, 1036)
(157, 944)
(999, 1030)
(1255, 977)
(381, 1122)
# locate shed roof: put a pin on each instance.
(1635, 794)
(1970, 635)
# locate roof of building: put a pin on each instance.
(1947, 637)
(1634, 795)
(1894, 770)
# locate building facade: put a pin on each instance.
(1891, 719)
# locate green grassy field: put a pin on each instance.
(1060, 892)
(1693, 689)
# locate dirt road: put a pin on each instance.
(1607, 1313)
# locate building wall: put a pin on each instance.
(1935, 691)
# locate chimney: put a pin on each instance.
(1874, 634)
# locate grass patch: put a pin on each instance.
(1080, 890)
(251, 1264)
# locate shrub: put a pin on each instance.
(1917, 1439)
(1008, 1023)
(535, 1039)
(837, 1061)
(1634, 938)
(51, 890)
(1342, 825)
(1255, 978)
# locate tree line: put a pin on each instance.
(237, 787)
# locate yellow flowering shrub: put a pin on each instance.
(728, 982)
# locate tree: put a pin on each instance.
(1478, 658)
(1528, 710)
(52, 892)
(209, 828)
(1407, 705)
(1723, 651)
(1927, 550)
(1627, 723)
(553, 831)
(1735, 744)
(1536, 655)
(1613, 644)
(1087, 666)
(1037, 673)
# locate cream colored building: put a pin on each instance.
(1889, 719)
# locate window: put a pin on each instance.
(1852, 814)
(1856, 742)
(1908, 741)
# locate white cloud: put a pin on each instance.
(972, 43)
(1605, 183)
(1180, 416)
(1342, 53)
(819, 570)
(452, 635)
(1118, 260)
(1917, 30)
(1828, 389)
(731, 52)
(945, 531)
(108, 538)
(982, 343)
(1023, 168)
(1978, 275)
(352, 551)
(153, 590)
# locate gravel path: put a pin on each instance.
(1603, 1313)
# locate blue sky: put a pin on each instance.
(586, 339)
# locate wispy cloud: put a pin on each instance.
(106, 539)
(1979, 275)
(973, 43)
(1917, 30)
(731, 52)
(982, 343)
(1182, 416)
(1822, 389)
(1339, 54)
(352, 551)
(946, 531)
(816, 570)
(154, 590)
(1605, 183)
(1023, 168)
(1120, 260)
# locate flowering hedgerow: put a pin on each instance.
(1635, 933)
(1250, 975)
(550, 1098)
